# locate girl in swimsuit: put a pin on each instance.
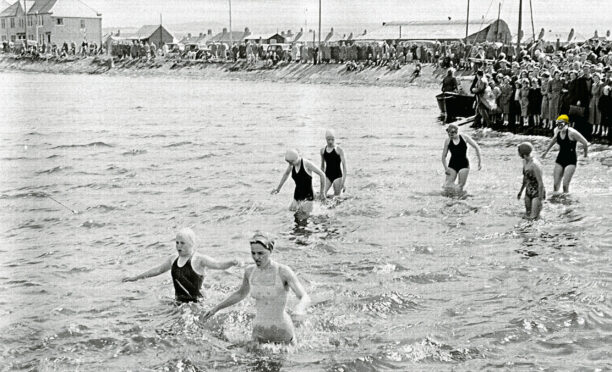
(187, 268)
(565, 164)
(332, 157)
(532, 182)
(268, 282)
(459, 164)
(301, 171)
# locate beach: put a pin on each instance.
(401, 276)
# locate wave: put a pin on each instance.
(53, 170)
(92, 144)
(54, 156)
(387, 303)
(177, 144)
(135, 152)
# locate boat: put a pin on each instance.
(455, 105)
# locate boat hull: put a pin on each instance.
(453, 105)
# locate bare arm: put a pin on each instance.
(473, 143)
(282, 181)
(206, 261)
(550, 144)
(444, 154)
(343, 160)
(294, 283)
(233, 299)
(576, 136)
(523, 185)
(537, 171)
(322, 160)
(313, 168)
(165, 266)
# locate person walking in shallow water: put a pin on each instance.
(301, 171)
(332, 157)
(459, 165)
(268, 282)
(565, 164)
(532, 182)
(187, 269)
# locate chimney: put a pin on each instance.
(282, 33)
(201, 34)
(225, 30)
(247, 32)
(209, 32)
(118, 32)
(301, 29)
(365, 32)
(332, 30)
(289, 33)
(189, 35)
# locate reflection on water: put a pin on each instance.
(402, 276)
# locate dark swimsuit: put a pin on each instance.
(187, 282)
(332, 165)
(303, 184)
(567, 151)
(458, 160)
(532, 184)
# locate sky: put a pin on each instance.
(354, 15)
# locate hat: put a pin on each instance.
(564, 118)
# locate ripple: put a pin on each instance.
(53, 170)
(92, 144)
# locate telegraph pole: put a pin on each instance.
(467, 21)
(319, 23)
(518, 36)
(230, 23)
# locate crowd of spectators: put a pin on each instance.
(543, 81)
(46, 50)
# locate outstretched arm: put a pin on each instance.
(294, 283)
(282, 181)
(206, 261)
(473, 143)
(576, 136)
(165, 266)
(233, 299)
(313, 168)
(550, 144)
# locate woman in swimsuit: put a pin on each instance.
(331, 158)
(565, 164)
(532, 182)
(301, 171)
(187, 269)
(268, 282)
(459, 164)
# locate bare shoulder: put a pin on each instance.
(339, 150)
(285, 271)
(323, 149)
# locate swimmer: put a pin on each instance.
(301, 171)
(565, 164)
(532, 182)
(187, 269)
(459, 164)
(331, 158)
(268, 282)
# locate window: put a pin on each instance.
(82, 23)
(41, 20)
(13, 38)
(20, 22)
(60, 21)
(3, 23)
(3, 37)
(12, 22)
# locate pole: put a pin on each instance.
(160, 45)
(532, 28)
(25, 13)
(497, 25)
(520, 24)
(467, 21)
(230, 22)
(319, 23)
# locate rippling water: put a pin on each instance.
(402, 277)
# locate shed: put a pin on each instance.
(224, 36)
(274, 38)
(154, 34)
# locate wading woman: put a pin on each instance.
(565, 164)
(333, 163)
(459, 165)
(532, 182)
(187, 269)
(269, 283)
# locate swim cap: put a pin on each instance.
(330, 133)
(564, 118)
(187, 234)
(452, 126)
(263, 239)
(291, 155)
(525, 148)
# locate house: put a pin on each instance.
(156, 34)
(196, 40)
(447, 30)
(51, 21)
(274, 38)
(226, 37)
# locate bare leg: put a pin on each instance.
(450, 178)
(528, 205)
(328, 185)
(536, 208)
(337, 186)
(558, 176)
(567, 177)
(463, 176)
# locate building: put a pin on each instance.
(449, 30)
(156, 34)
(227, 38)
(51, 21)
(197, 39)
(273, 38)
